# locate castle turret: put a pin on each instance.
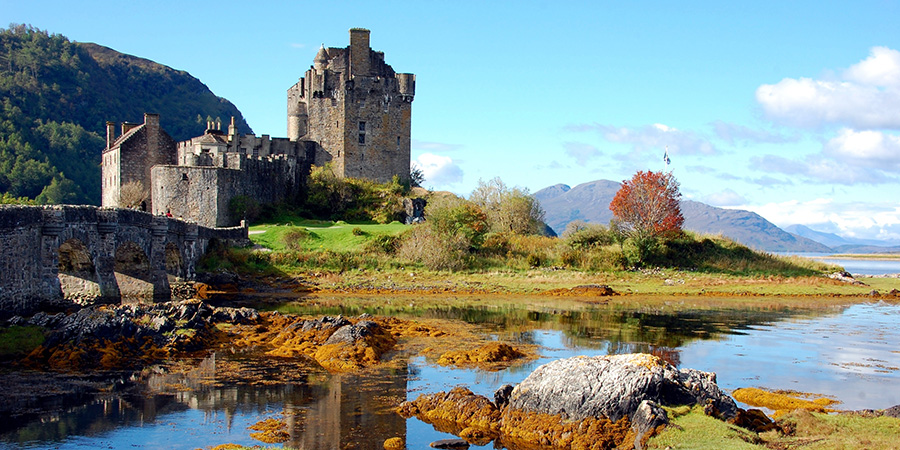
(321, 59)
(407, 88)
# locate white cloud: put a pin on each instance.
(723, 198)
(653, 137)
(818, 168)
(434, 146)
(868, 97)
(865, 149)
(866, 220)
(439, 170)
(732, 133)
(581, 152)
(881, 68)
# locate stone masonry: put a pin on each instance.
(351, 111)
(55, 256)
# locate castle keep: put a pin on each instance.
(356, 109)
(351, 110)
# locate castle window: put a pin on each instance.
(362, 133)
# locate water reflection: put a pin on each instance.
(321, 411)
(845, 352)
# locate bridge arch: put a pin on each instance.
(55, 255)
(78, 278)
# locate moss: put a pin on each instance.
(533, 430)
(394, 443)
(477, 420)
(20, 340)
(492, 352)
(781, 401)
(270, 431)
(454, 411)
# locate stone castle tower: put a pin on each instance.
(356, 109)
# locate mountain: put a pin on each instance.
(842, 244)
(746, 227)
(590, 202)
(55, 98)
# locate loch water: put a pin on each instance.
(847, 352)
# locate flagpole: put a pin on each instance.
(666, 158)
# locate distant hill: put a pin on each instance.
(842, 244)
(590, 202)
(56, 96)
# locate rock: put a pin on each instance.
(450, 443)
(501, 396)
(394, 443)
(846, 277)
(324, 323)
(893, 411)
(646, 420)
(753, 420)
(614, 387)
(351, 334)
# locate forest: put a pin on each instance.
(57, 96)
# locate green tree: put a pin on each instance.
(508, 209)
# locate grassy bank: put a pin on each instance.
(367, 257)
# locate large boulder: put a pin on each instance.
(598, 402)
(614, 386)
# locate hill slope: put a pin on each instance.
(56, 96)
(590, 202)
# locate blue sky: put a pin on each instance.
(789, 109)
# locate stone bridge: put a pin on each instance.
(53, 256)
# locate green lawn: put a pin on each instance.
(319, 235)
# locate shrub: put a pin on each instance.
(434, 250)
(357, 231)
(387, 244)
(242, 207)
(584, 236)
(294, 238)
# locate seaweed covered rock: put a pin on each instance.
(455, 411)
(126, 336)
(488, 356)
(614, 386)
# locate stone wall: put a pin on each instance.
(202, 194)
(56, 256)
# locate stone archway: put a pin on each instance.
(174, 263)
(133, 273)
(77, 273)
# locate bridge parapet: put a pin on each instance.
(54, 256)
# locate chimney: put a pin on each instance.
(359, 51)
(110, 134)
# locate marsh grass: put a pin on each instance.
(368, 254)
(20, 340)
(802, 429)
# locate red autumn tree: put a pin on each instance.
(647, 206)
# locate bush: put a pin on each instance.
(434, 250)
(294, 238)
(242, 207)
(581, 235)
(454, 218)
(387, 244)
(357, 231)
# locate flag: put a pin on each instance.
(666, 156)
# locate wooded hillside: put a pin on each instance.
(55, 98)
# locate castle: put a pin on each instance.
(350, 110)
